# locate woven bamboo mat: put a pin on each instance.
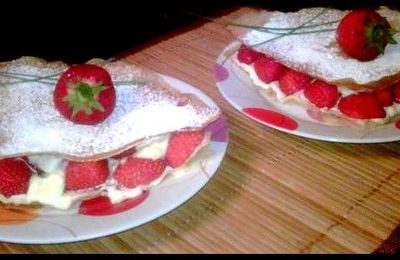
(274, 192)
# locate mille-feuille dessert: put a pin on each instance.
(344, 64)
(97, 129)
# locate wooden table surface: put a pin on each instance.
(274, 192)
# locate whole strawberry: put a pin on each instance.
(15, 174)
(85, 94)
(85, 175)
(363, 34)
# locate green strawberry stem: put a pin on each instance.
(378, 35)
(83, 97)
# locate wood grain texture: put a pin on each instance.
(274, 192)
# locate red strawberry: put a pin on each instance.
(322, 94)
(396, 92)
(85, 175)
(181, 146)
(85, 94)
(138, 171)
(363, 105)
(247, 55)
(293, 81)
(124, 154)
(102, 206)
(363, 34)
(15, 175)
(268, 69)
(384, 96)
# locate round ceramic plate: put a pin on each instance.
(97, 217)
(236, 87)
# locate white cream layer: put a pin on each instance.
(49, 187)
(391, 111)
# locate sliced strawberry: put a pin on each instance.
(247, 55)
(181, 146)
(15, 174)
(396, 92)
(85, 175)
(268, 69)
(102, 206)
(361, 106)
(293, 81)
(138, 171)
(124, 154)
(384, 96)
(322, 94)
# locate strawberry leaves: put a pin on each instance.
(83, 97)
(379, 34)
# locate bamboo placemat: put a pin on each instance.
(274, 192)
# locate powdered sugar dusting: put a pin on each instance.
(30, 123)
(318, 52)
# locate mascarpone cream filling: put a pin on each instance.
(48, 188)
(391, 111)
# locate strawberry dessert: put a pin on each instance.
(58, 182)
(102, 129)
(342, 63)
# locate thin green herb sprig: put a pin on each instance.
(272, 30)
(293, 30)
(19, 74)
(23, 78)
(53, 78)
(276, 30)
(279, 31)
(131, 82)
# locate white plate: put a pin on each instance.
(237, 88)
(54, 226)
